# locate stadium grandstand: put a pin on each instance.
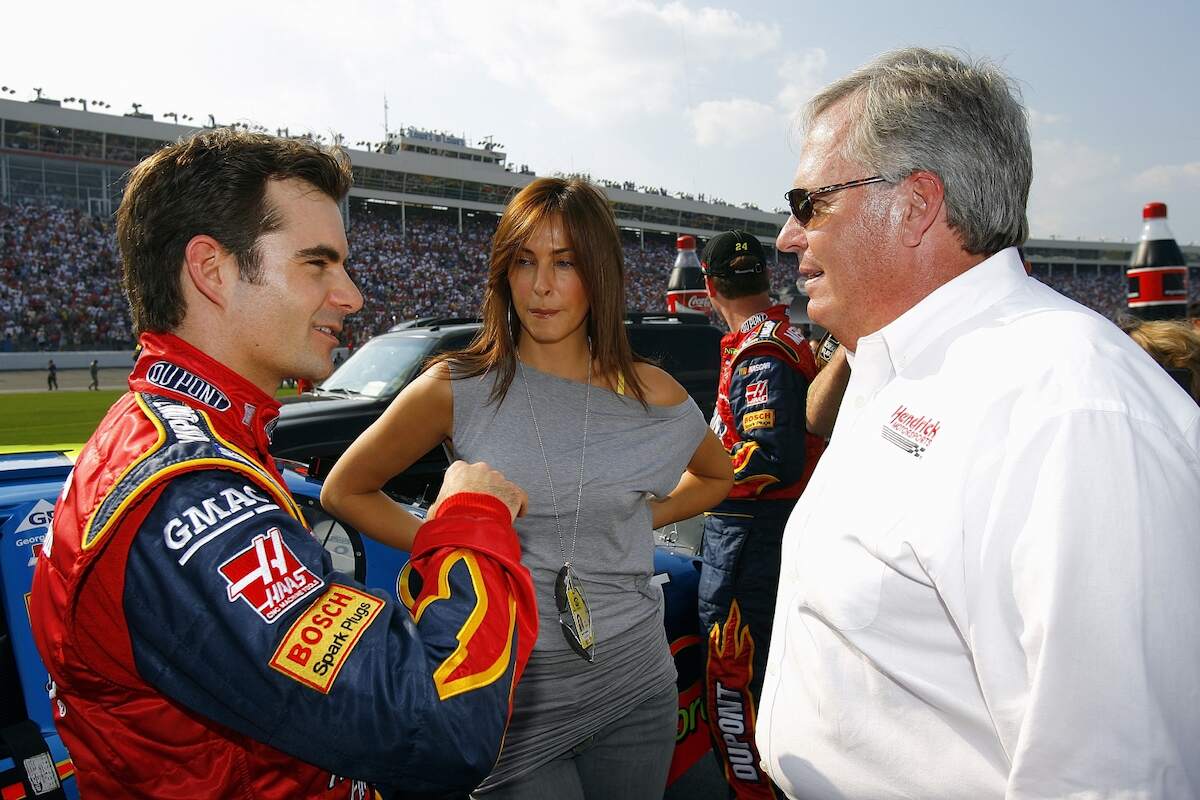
(420, 215)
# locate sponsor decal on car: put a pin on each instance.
(178, 379)
(35, 549)
(317, 645)
(756, 393)
(268, 576)
(759, 419)
(40, 516)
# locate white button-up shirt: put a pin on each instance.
(991, 587)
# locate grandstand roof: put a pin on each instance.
(448, 172)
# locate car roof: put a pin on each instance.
(455, 324)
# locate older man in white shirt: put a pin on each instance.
(991, 587)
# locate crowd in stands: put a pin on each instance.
(1105, 293)
(60, 284)
(60, 276)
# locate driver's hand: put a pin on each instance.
(482, 479)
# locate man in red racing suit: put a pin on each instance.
(198, 639)
(766, 369)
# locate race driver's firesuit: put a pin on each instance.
(766, 367)
(200, 643)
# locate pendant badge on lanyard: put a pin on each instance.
(573, 614)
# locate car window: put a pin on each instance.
(677, 349)
(380, 367)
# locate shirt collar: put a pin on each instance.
(950, 304)
(240, 410)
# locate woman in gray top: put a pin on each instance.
(607, 447)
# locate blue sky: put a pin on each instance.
(692, 97)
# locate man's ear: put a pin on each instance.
(923, 195)
(206, 267)
(708, 286)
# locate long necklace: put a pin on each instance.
(574, 617)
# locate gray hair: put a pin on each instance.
(918, 109)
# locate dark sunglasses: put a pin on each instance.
(800, 200)
(567, 594)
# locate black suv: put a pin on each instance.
(317, 428)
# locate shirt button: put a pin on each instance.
(859, 402)
(762, 765)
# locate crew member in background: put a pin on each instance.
(198, 639)
(760, 418)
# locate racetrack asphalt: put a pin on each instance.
(69, 380)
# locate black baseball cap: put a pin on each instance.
(722, 249)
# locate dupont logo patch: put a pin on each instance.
(753, 322)
(756, 393)
(268, 576)
(177, 379)
(759, 419)
(911, 433)
(317, 645)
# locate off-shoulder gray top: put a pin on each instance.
(633, 454)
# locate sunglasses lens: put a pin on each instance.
(798, 201)
(572, 638)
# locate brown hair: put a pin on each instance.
(600, 262)
(735, 286)
(213, 182)
(1173, 344)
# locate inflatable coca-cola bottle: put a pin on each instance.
(685, 288)
(1157, 273)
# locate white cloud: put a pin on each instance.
(1072, 187)
(730, 122)
(1040, 119)
(1163, 177)
(598, 61)
(804, 76)
(719, 31)
(1062, 164)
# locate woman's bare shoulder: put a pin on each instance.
(661, 389)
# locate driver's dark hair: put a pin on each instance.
(213, 182)
(734, 286)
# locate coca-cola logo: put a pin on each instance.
(690, 300)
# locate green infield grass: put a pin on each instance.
(56, 420)
(51, 419)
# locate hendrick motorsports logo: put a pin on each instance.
(268, 576)
(911, 433)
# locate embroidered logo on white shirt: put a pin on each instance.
(911, 433)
